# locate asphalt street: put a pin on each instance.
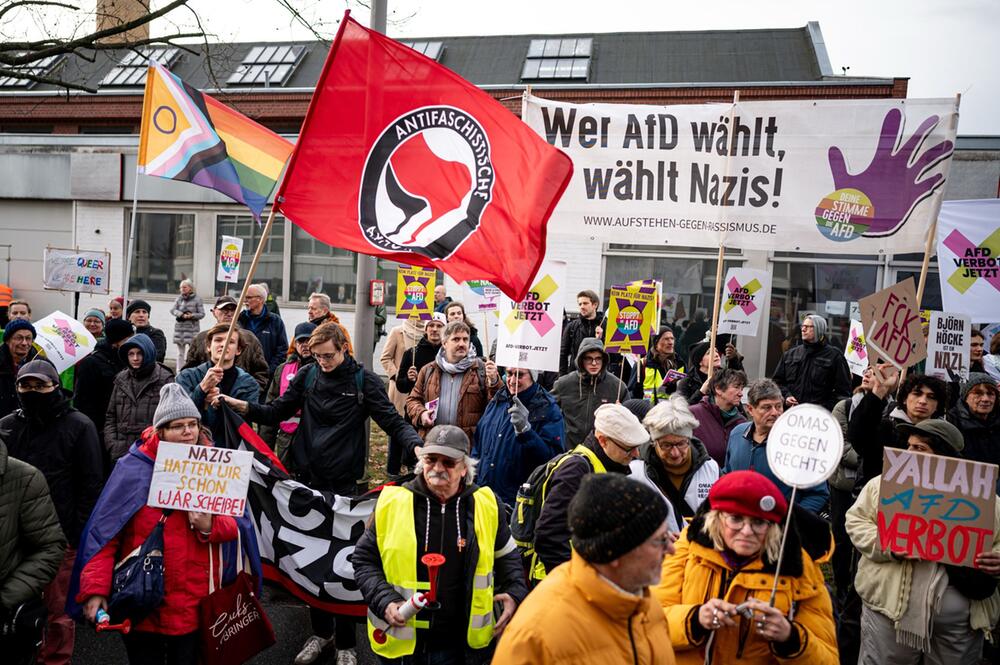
(291, 624)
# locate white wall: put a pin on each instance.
(28, 227)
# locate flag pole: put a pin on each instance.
(131, 240)
(246, 283)
(931, 236)
(722, 254)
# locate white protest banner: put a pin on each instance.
(76, 270)
(480, 295)
(949, 341)
(742, 300)
(856, 351)
(968, 251)
(857, 176)
(200, 478)
(805, 446)
(229, 259)
(530, 331)
(64, 340)
(935, 508)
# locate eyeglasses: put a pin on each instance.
(737, 522)
(35, 387)
(588, 360)
(446, 462)
(663, 542)
(326, 357)
(663, 444)
(183, 427)
(27, 337)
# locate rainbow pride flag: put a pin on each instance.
(187, 135)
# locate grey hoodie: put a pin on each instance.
(579, 394)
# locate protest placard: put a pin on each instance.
(480, 295)
(968, 251)
(200, 478)
(229, 259)
(892, 325)
(530, 331)
(76, 270)
(798, 175)
(856, 351)
(414, 289)
(64, 340)
(936, 508)
(805, 446)
(631, 314)
(949, 340)
(669, 306)
(742, 300)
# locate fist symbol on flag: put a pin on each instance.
(897, 179)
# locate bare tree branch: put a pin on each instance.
(33, 3)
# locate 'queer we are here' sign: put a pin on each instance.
(936, 508)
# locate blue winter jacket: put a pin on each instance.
(270, 330)
(507, 459)
(743, 454)
(245, 388)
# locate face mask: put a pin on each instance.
(37, 404)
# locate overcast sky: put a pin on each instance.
(944, 46)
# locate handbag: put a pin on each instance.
(22, 628)
(137, 583)
(233, 627)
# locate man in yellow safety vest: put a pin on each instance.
(440, 512)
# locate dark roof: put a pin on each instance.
(619, 58)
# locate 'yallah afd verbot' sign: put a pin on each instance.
(936, 508)
(857, 176)
(200, 479)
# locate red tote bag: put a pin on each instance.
(234, 627)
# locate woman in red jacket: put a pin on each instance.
(170, 633)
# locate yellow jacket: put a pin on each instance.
(698, 572)
(576, 617)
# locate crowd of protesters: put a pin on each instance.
(615, 512)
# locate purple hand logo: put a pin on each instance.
(878, 200)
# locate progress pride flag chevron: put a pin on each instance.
(401, 158)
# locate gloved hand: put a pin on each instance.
(519, 416)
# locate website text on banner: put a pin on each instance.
(530, 331)
(854, 176)
(936, 508)
(203, 479)
(968, 251)
(403, 159)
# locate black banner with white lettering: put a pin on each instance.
(306, 537)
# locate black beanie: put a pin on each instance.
(137, 304)
(611, 515)
(695, 355)
(638, 407)
(115, 330)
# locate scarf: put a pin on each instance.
(927, 585)
(413, 330)
(455, 368)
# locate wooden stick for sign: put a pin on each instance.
(621, 373)
(246, 284)
(486, 334)
(929, 245)
(781, 551)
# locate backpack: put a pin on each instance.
(528, 507)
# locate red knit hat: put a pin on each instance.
(748, 493)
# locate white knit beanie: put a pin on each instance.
(671, 416)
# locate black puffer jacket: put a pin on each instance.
(814, 373)
(576, 331)
(872, 427)
(328, 450)
(31, 542)
(95, 379)
(425, 353)
(62, 444)
(439, 523)
(982, 437)
(158, 338)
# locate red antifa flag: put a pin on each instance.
(403, 159)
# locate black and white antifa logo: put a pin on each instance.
(426, 182)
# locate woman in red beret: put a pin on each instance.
(716, 589)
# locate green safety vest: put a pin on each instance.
(538, 568)
(397, 546)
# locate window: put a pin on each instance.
(164, 252)
(270, 268)
(558, 58)
(814, 288)
(432, 50)
(320, 268)
(267, 65)
(131, 69)
(41, 67)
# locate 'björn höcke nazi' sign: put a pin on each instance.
(200, 478)
(936, 508)
(891, 320)
(949, 345)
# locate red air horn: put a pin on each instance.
(418, 600)
(104, 624)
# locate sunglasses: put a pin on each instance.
(446, 462)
